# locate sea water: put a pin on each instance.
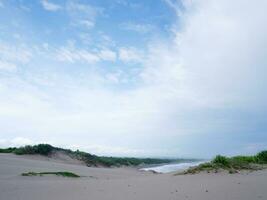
(166, 168)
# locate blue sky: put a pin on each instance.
(164, 78)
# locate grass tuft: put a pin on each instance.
(231, 164)
(64, 174)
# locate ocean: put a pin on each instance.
(166, 168)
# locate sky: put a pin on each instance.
(153, 78)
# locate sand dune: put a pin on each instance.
(121, 183)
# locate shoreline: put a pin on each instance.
(172, 167)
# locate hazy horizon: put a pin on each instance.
(154, 78)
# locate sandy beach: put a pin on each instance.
(121, 183)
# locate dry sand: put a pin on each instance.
(121, 183)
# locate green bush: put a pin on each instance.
(244, 159)
(42, 149)
(7, 150)
(221, 160)
(262, 157)
(240, 163)
(25, 150)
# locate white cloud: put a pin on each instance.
(139, 28)
(130, 54)
(11, 56)
(114, 77)
(47, 5)
(122, 151)
(87, 23)
(105, 40)
(83, 15)
(109, 150)
(201, 81)
(72, 55)
(254, 148)
(6, 66)
(18, 53)
(3, 143)
(75, 55)
(223, 44)
(20, 141)
(15, 142)
(83, 8)
(174, 5)
(107, 55)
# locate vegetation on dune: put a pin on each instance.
(231, 164)
(64, 174)
(42, 149)
(87, 158)
(7, 150)
(114, 161)
(262, 156)
(93, 160)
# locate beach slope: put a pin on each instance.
(121, 183)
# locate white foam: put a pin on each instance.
(172, 167)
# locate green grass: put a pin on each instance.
(64, 174)
(231, 164)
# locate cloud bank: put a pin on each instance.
(199, 89)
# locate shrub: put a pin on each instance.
(244, 159)
(221, 160)
(25, 150)
(7, 150)
(262, 157)
(43, 149)
(240, 163)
